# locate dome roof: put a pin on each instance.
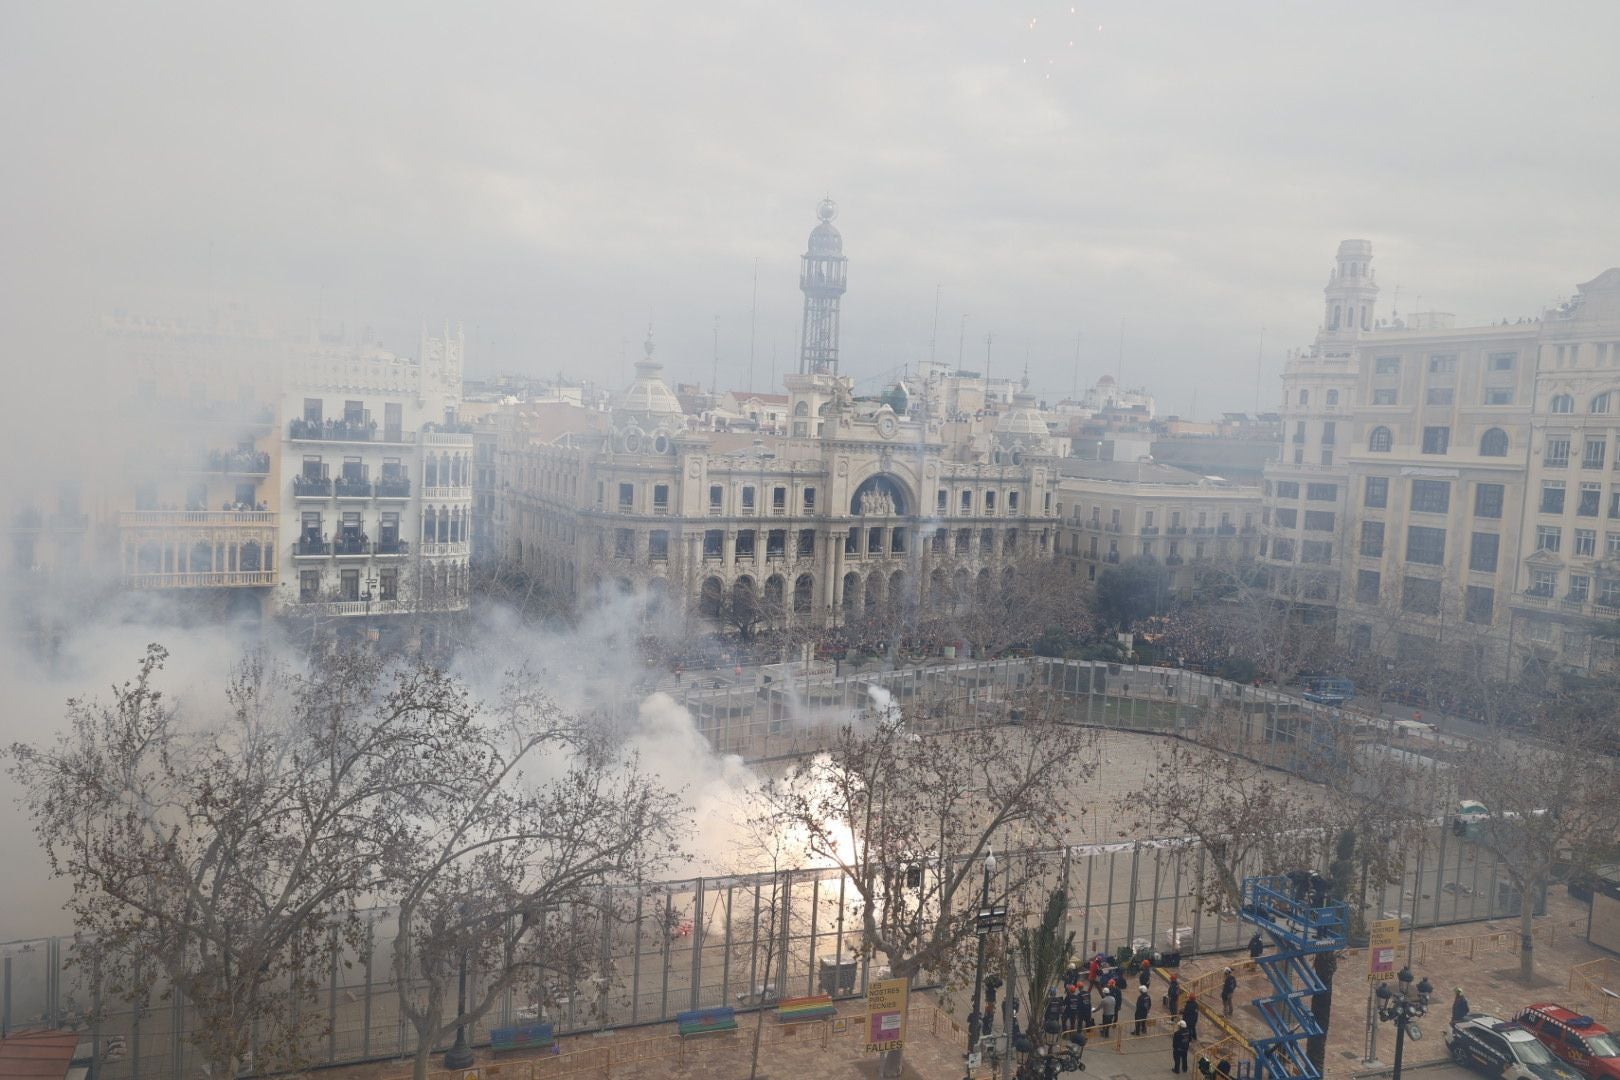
(1023, 424)
(648, 394)
(825, 238)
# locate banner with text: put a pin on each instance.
(1383, 942)
(886, 1015)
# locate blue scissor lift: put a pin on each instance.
(1298, 930)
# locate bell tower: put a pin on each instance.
(1350, 293)
(822, 279)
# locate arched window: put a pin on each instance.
(1494, 443)
(1380, 441)
(1333, 397)
(1600, 404)
(1562, 403)
(1304, 396)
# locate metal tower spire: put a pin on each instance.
(822, 279)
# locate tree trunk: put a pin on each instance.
(1326, 965)
(1527, 955)
(424, 1056)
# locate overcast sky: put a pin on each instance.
(557, 176)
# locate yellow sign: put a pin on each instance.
(1383, 942)
(886, 1015)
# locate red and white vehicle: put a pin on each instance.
(1584, 1043)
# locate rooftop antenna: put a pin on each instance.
(1259, 368)
(714, 377)
(961, 342)
(1119, 369)
(988, 338)
(753, 320)
(933, 338)
(1074, 391)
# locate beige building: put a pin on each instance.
(852, 508)
(1442, 484)
(1116, 511)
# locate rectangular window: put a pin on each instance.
(1287, 517)
(1321, 492)
(745, 544)
(1580, 587)
(1367, 586)
(624, 543)
(1501, 361)
(1421, 596)
(748, 498)
(1283, 550)
(658, 545)
(1591, 497)
(1439, 395)
(1549, 538)
(1316, 551)
(388, 584)
(1287, 489)
(349, 584)
(1425, 545)
(1609, 592)
(776, 544)
(1442, 363)
(1319, 520)
(309, 585)
(967, 502)
(989, 502)
(1436, 440)
(1329, 432)
(1012, 502)
(779, 499)
(1377, 492)
(627, 496)
(716, 496)
(1585, 542)
(940, 503)
(1557, 453)
(312, 410)
(1499, 395)
(809, 499)
(1488, 500)
(1387, 365)
(1543, 582)
(1372, 538)
(807, 542)
(1593, 452)
(1480, 604)
(1482, 552)
(1431, 496)
(1552, 496)
(714, 544)
(1386, 396)
(354, 412)
(661, 498)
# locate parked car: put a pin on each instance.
(1497, 1048)
(1581, 1041)
(1329, 691)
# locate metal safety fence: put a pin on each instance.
(746, 940)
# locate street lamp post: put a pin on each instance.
(974, 1020)
(460, 1055)
(1401, 1007)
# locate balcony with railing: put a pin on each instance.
(394, 487)
(188, 549)
(312, 487)
(444, 547)
(351, 546)
(392, 548)
(446, 492)
(236, 462)
(1150, 530)
(352, 487)
(301, 430)
(307, 548)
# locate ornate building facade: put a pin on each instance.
(855, 507)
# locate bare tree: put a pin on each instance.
(1551, 801)
(493, 853)
(907, 813)
(224, 851)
